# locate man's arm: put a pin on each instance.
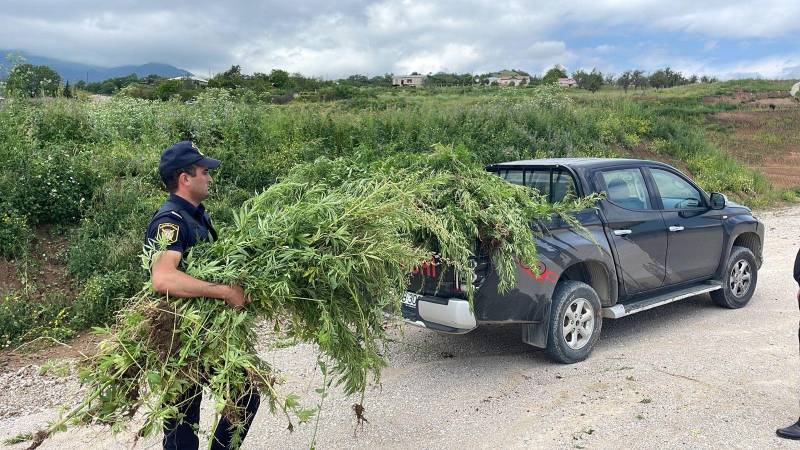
(167, 279)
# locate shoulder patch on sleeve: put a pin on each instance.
(168, 232)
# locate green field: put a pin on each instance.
(79, 179)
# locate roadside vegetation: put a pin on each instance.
(80, 183)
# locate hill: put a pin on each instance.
(74, 71)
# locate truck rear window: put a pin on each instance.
(553, 183)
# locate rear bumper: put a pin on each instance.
(447, 315)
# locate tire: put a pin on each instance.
(739, 279)
(565, 342)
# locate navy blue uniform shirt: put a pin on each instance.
(181, 224)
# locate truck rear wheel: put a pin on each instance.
(739, 279)
(575, 322)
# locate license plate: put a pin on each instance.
(410, 299)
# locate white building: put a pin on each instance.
(567, 82)
(192, 79)
(408, 80)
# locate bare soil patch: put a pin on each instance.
(766, 139)
(45, 265)
(775, 103)
(740, 97)
(9, 280)
(39, 352)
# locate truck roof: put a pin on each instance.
(572, 162)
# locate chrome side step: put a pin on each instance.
(622, 310)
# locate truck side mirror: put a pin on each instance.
(718, 201)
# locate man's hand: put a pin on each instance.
(235, 297)
(798, 299)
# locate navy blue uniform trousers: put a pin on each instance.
(182, 436)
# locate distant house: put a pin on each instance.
(408, 80)
(513, 80)
(191, 79)
(508, 78)
(567, 82)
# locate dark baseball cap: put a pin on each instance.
(183, 154)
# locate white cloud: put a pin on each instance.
(335, 39)
(450, 58)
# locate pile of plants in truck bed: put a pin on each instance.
(328, 250)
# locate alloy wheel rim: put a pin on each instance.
(740, 278)
(578, 323)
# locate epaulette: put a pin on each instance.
(179, 216)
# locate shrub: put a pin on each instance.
(100, 299)
(15, 234)
(15, 318)
(22, 318)
(63, 121)
(53, 188)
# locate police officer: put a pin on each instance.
(793, 431)
(181, 222)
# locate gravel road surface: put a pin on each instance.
(685, 375)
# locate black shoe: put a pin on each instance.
(790, 432)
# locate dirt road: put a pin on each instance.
(686, 375)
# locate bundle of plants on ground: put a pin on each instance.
(324, 254)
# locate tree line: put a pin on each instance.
(279, 86)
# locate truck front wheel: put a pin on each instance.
(575, 322)
(739, 282)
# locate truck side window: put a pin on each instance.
(626, 188)
(539, 180)
(562, 184)
(675, 192)
(513, 176)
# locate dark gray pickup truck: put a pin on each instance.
(657, 238)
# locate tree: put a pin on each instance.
(591, 81)
(658, 79)
(625, 80)
(27, 80)
(357, 80)
(166, 89)
(230, 79)
(112, 85)
(580, 77)
(552, 75)
(381, 80)
(259, 82)
(67, 93)
(638, 79)
(280, 79)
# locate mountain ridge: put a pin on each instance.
(74, 71)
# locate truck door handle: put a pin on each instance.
(622, 232)
(676, 228)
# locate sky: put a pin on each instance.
(334, 39)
